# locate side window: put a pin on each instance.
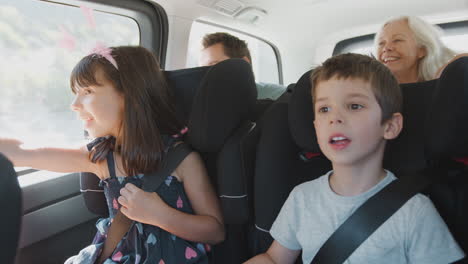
(457, 42)
(40, 42)
(265, 58)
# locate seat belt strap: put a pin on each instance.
(151, 182)
(368, 217)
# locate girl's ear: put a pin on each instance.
(393, 126)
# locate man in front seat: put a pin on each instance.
(222, 46)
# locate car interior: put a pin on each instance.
(256, 151)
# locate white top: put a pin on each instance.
(414, 234)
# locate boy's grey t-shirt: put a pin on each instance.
(414, 234)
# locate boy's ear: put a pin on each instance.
(393, 126)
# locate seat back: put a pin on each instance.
(446, 148)
(220, 129)
(284, 158)
(11, 205)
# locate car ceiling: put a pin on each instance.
(307, 30)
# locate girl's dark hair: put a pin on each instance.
(149, 106)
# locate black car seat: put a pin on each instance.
(288, 153)
(11, 206)
(221, 131)
(217, 103)
(446, 148)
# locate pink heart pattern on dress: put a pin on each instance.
(117, 256)
(180, 204)
(162, 262)
(190, 253)
(115, 204)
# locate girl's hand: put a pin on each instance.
(141, 206)
(9, 143)
(10, 147)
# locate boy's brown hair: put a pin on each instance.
(233, 46)
(384, 85)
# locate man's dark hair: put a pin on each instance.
(233, 46)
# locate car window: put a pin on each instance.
(265, 58)
(40, 42)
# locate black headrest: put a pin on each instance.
(447, 123)
(10, 202)
(185, 84)
(301, 115)
(225, 98)
(406, 152)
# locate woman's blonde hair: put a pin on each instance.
(427, 36)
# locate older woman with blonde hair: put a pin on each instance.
(412, 49)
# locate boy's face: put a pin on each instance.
(348, 122)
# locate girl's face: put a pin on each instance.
(398, 50)
(100, 107)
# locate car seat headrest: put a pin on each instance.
(447, 124)
(407, 151)
(185, 84)
(11, 204)
(301, 115)
(225, 98)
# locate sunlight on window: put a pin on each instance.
(34, 81)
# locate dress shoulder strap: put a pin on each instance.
(111, 164)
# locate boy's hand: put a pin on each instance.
(141, 206)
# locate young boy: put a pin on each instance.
(357, 104)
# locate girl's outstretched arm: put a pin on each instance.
(205, 226)
(52, 159)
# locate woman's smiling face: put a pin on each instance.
(398, 50)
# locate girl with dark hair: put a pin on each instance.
(124, 102)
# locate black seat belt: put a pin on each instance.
(370, 216)
(151, 182)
